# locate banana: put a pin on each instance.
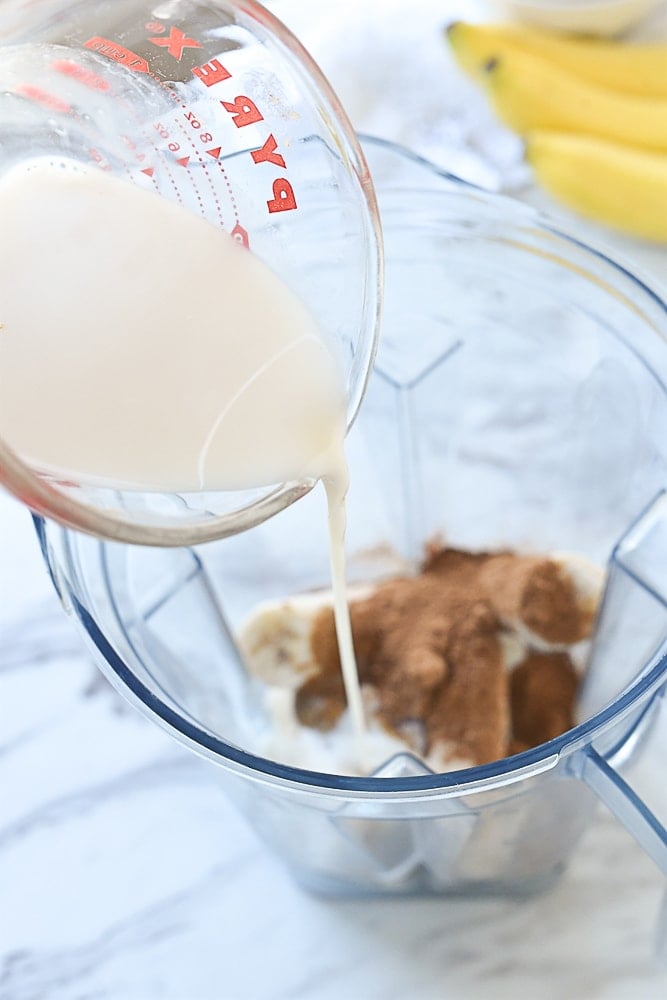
(623, 187)
(529, 93)
(630, 68)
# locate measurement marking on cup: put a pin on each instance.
(117, 53)
(175, 147)
(184, 161)
(44, 98)
(77, 72)
(206, 137)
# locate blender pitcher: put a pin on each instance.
(518, 402)
(216, 108)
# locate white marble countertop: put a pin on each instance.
(125, 874)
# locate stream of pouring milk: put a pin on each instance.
(143, 348)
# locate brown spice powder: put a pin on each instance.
(430, 648)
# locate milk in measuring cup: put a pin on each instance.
(143, 348)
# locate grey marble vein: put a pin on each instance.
(170, 771)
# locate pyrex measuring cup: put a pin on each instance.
(518, 400)
(214, 106)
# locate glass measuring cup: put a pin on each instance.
(530, 412)
(213, 105)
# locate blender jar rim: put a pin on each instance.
(466, 781)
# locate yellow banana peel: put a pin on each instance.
(529, 93)
(631, 68)
(622, 187)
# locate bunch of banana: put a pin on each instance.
(593, 114)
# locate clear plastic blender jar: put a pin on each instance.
(518, 402)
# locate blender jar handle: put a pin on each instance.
(602, 776)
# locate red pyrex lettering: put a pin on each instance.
(268, 154)
(211, 73)
(283, 196)
(175, 42)
(243, 112)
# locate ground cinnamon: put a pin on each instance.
(430, 648)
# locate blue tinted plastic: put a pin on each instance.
(515, 403)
